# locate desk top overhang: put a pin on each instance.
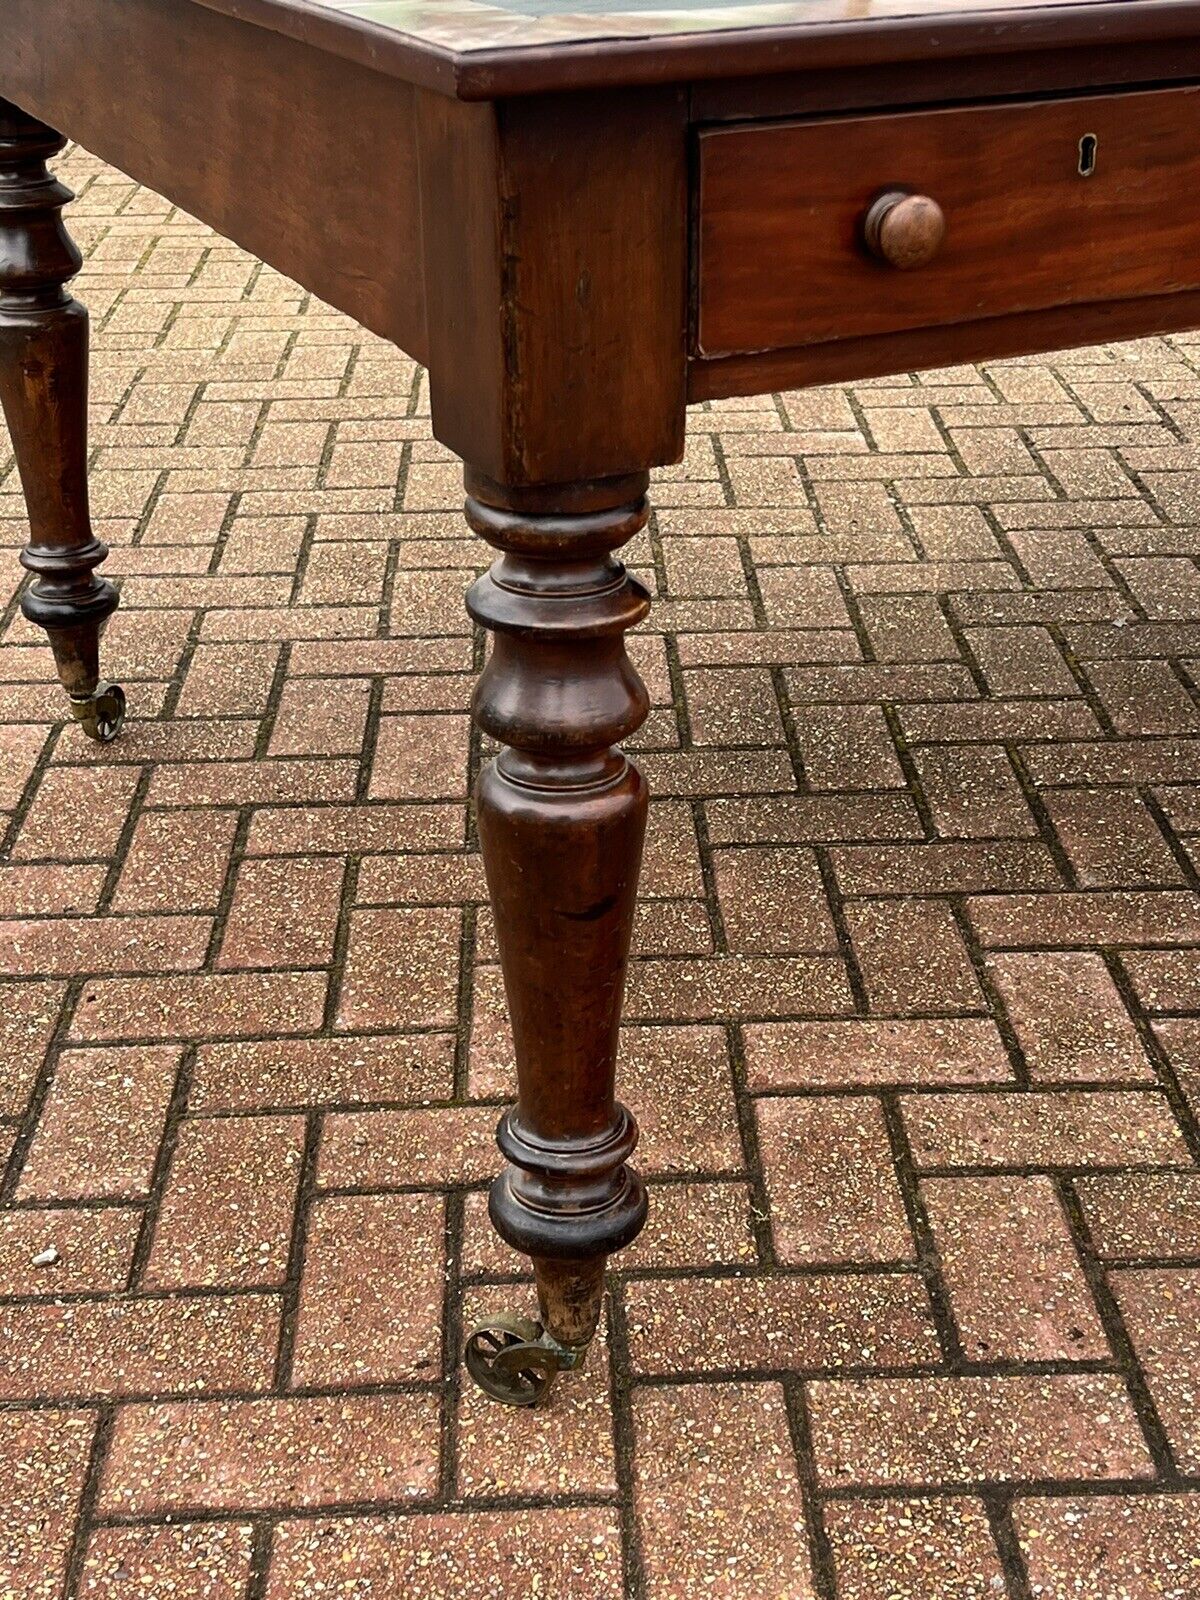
(481, 51)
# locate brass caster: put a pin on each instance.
(515, 1361)
(101, 715)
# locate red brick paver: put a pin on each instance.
(914, 1019)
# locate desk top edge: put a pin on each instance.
(482, 62)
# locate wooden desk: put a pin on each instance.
(580, 221)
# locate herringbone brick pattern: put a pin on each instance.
(914, 1027)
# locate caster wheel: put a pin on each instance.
(101, 715)
(508, 1363)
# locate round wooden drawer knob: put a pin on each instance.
(905, 230)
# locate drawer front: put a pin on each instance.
(1035, 205)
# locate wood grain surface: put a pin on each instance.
(781, 209)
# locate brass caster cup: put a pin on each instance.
(101, 715)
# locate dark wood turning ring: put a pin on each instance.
(905, 230)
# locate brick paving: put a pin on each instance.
(913, 1029)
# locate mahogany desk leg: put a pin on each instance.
(562, 816)
(43, 388)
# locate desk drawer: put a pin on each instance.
(1034, 205)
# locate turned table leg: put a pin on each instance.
(562, 816)
(43, 388)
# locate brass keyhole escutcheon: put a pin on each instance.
(1087, 155)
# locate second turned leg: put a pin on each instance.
(562, 816)
(43, 389)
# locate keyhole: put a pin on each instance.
(1087, 155)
